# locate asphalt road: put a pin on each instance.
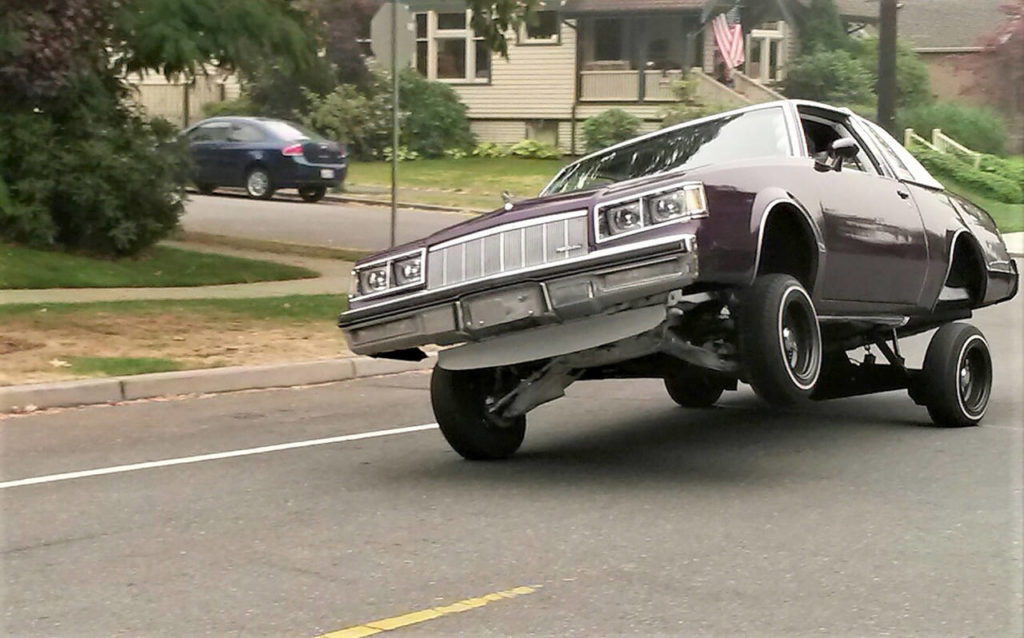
(633, 516)
(324, 223)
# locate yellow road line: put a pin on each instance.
(416, 617)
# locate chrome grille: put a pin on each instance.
(507, 249)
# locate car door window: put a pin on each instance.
(820, 132)
(903, 164)
(212, 132)
(245, 133)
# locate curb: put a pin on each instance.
(335, 197)
(64, 394)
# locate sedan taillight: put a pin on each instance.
(292, 151)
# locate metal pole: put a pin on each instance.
(887, 66)
(394, 119)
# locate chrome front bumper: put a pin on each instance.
(525, 304)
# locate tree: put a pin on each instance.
(997, 69)
(821, 28)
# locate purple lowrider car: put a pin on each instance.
(759, 245)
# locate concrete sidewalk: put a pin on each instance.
(333, 279)
(1014, 243)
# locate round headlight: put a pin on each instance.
(625, 218)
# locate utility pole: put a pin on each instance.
(887, 65)
(394, 121)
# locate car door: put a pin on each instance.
(874, 236)
(205, 143)
(243, 145)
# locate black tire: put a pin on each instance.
(312, 194)
(780, 340)
(692, 389)
(956, 380)
(206, 189)
(258, 184)
(459, 399)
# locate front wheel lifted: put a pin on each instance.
(956, 379)
(780, 340)
(461, 401)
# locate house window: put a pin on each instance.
(447, 49)
(542, 29)
(608, 39)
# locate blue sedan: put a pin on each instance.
(264, 155)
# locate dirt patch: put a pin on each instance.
(37, 349)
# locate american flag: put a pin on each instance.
(729, 39)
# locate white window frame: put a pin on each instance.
(523, 38)
(434, 34)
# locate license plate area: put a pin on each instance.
(490, 311)
(327, 173)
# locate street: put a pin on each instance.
(623, 514)
(324, 223)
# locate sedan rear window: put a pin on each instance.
(749, 134)
(289, 132)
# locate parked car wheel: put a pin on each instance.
(258, 184)
(956, 379)
(460, 399)
(312, 193)
(780, 340)
(205, 189)
(692, 389)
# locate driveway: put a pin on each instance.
(324, 223)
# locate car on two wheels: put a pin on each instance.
(788, 245)
(264, 155)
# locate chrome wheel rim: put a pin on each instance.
(797, 337)
(974, 380)
(258, 183)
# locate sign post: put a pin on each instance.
(392, 38)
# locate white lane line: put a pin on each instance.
(117, 469)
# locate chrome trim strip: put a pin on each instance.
(526, 223)
(951, 252)
(390, 260)
(685, 240)
(883, 320)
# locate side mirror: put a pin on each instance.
(845, 148)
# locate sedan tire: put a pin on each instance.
(956, 379)
(460, 399)
(780, 340)
(692, 389)
(258, 184)
(312, 194)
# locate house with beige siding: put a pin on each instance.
(579, 58)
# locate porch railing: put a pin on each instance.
(624, 85)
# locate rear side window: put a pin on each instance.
(246, 133)
(212, 132)
(290, 132)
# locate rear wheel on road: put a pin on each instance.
(461, 399)
(694, 389)
(780, 340)
(956, 379)
(258, 184)
(312, 193)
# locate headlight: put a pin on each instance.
(678, 203)
(392, 273)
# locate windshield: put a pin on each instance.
(757, 133)
(288, 131)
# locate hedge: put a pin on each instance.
(988, 184)
(999, 166)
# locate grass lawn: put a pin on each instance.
(51, 342)
(160, 266)
(474, 182)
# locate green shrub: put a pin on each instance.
(405, 154)
(988, 184)
(532, 149)
(88, 173)
(687, 105)
(608, 128)
(978, 129)
(456, 153)
(241, 105)
(490, 149)
(913, 84)
(821, 28)
(1013, 171)
(835, 77)
(348, 115)
(435, 117)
